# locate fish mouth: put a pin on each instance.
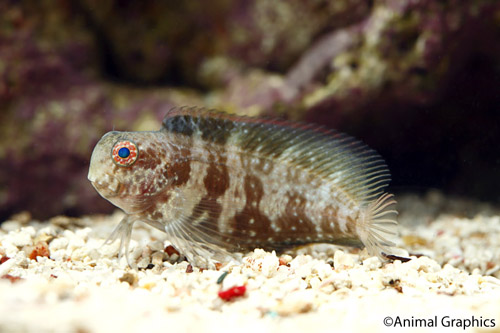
(115, 195)
(106, 190)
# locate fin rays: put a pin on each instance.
(376, 227)
(334, 156)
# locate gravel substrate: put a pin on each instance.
(58, 276)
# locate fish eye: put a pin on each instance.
(124, 153)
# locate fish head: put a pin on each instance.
(127, 169)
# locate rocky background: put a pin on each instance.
(418, 80)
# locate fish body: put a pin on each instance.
(219, 183)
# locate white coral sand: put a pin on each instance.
(452, 280)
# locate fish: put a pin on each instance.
(219, 184)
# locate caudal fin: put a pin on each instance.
(378, 224)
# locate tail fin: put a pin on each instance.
(377, 225)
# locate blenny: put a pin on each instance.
(218, 183)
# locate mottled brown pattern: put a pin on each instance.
(156, 215)
(295, 216)
(207, 211)
(328, 223)
(208, 205)
(149, 158)
(238, 193)
(253, 190)
(162, 197)
(211, 129)
(251, 225)
(178, 124)
(208, 128)
(351, 226)
(216, 180)
(240, 183)
(179, 170)
(263, 166)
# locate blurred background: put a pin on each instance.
(417, 80)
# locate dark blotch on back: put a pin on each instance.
(211, 129)
(179, 124)
(215, 130)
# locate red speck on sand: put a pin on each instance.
(233, 292)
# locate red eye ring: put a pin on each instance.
(125, 153)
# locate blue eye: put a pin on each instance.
(124, 152)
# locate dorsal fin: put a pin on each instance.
(338, 158)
